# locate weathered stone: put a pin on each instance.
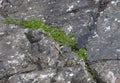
(30, 56)
(103, 48)
(72, 16)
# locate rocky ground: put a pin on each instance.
(30, 56)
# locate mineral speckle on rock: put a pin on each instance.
(103, 48)
(31, 56)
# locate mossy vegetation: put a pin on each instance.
(81, 53)
(12, 21)
(92, 74)
(57, 34)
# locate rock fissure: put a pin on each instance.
(94, 23)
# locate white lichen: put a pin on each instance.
(70, 8)
(69, 28)
(108, 28)
(43, 76)
(110, 77)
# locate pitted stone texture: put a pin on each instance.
(104, 47)
(72, 16)
(30, 56)
(106, 38)
(34, 51)
(107, 72)
(13, 50)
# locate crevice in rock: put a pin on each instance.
(101, 6)
(83, 40)
(100, 60)
(7, 76)
(95, 75)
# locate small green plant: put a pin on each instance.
(81, 53)
(12, 21)
(55, 33)
(91, 73)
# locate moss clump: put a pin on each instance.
(81, 53)
(55, 33)
(12, 21)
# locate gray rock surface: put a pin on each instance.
(104, 47)
(30, 56)
(72, 16)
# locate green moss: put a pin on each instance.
(81, 53)
(33, 24)
(55, 33)
(12, 21)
